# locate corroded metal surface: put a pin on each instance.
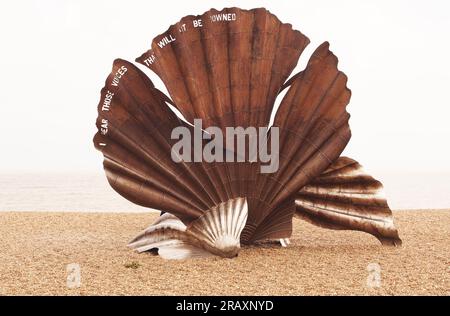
(216, 232)
(227, 68)
(346, 197)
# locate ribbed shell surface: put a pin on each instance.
(227, 68)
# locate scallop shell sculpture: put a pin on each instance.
(227, 69)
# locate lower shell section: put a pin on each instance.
(216, 232)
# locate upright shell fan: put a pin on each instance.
(227, 68)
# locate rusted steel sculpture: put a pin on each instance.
(227, 68)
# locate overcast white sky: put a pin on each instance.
(55, 56)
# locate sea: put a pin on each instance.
(90, 192)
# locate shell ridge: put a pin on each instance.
(305, 130)
(142, 178)
(338, 211)
(132, 146)
(211, 227)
